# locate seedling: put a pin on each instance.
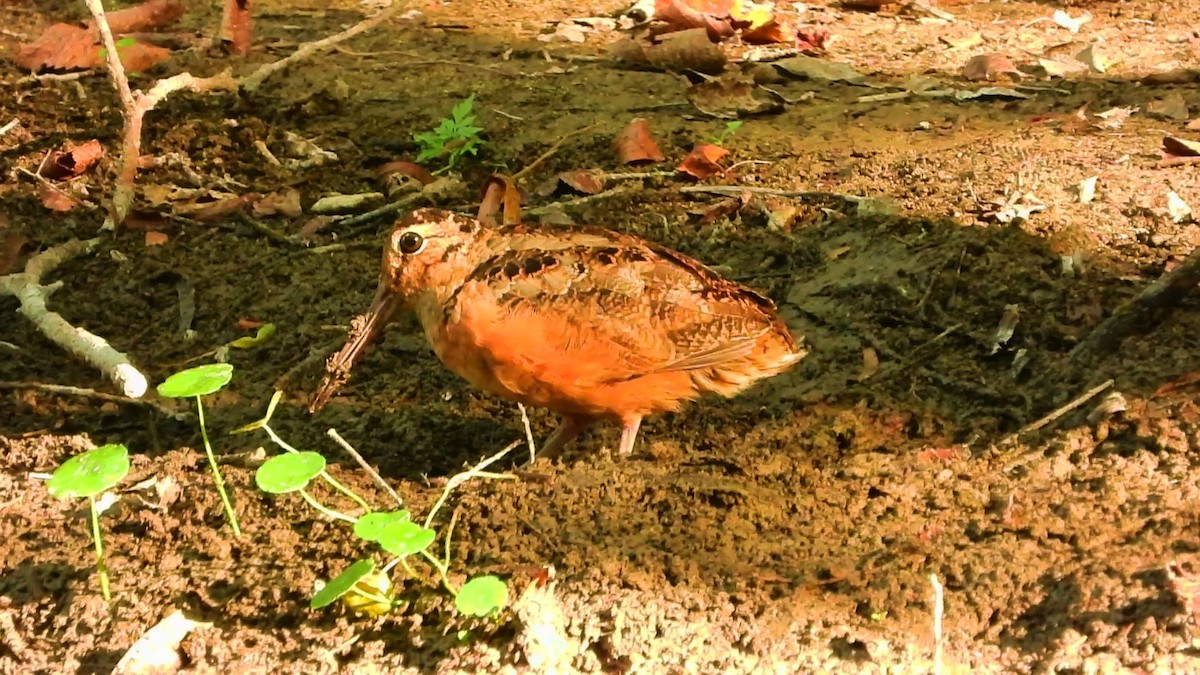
(729, 130)
(89, 474)
(454, 136)
(361, 586)
(199, 382)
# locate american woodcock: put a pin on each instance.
(584, 321)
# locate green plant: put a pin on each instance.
(89, 474)
(361, 586)
(454, 136)
(197, 383)
(730, 129)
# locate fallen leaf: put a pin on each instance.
(410, 169)
(139, 56)
(143, 18)
(286, 204)
(313, 226)
(263, 334)
(157, 650)
(1185, 585)
(685, 50)
(732, 97)
(938, 454)
(989, 67)
(582, 181)
(12, 246)
(248, 324)
(71, 162)
(1073, 24)
(636, 145)
(711, 15)
(1172, 107)
(237, 27)
(1093, 58)
(870, 364)
(156, 238)
(1008, 325)
(1178, 383)
(1114, 118)
(812, 68)
(219, 208)
(1087, 189)
(1177, 209)
(61, 46)
(702, 161)
(500, 196)
(56, 200)
(1180, 147)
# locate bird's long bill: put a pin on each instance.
(363, 331)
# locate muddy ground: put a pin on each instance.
(793, 529)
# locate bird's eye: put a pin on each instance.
(410, 243)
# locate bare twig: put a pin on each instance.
(528, 432)
(579, 201)
(939, 610)
(346, 226)
(337, 438)
(27, 288)
(98, 395)
(1055, 414)
(476, 471)
(1140, 311)
(254, 80)
(737, 190)
(550, 153)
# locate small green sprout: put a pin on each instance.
(199, 382)
(729, 130)
(361, 587)
(86, 475)
(453, 138)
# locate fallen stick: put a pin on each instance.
(28, 289)
(1141, 311)
(98, 395)
(1056, 413)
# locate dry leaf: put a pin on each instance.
(72, 162)
(635, 144)
(286, 204)
(61, 46)
(685, 50)
(140, 56)
(143, 18)
(409, 169)
(989, 67)
(156, 238)
(1180, 147)
(12, 246)
(237, 27)
(1185, 584)
(702, 161)
(582, 181)
(870, 364)
(1093, 58)
(732, 97)
(219, 208)
(500, 195)
(56, 200)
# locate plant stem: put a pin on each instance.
(325, 509)
(442, 570)
(324, 474)
(101, 570)
(216, 471)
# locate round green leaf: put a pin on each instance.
(481, 596)
(198, 381)
(342, 583)
(405, 538)
(290, 472)
(372, 526)
(90, 473)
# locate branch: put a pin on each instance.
(27, 288)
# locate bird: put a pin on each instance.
(585, 321)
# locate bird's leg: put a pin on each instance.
(629, 434)
(571, 426)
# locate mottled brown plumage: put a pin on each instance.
(584, 321)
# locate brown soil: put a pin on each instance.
(793, 529)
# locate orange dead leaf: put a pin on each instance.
(73, 161)
(138, 57)
(286, 204)
(702, 161)
(870, 364)
(237, 28)
(60, 47)
(712, 15)
(407, 169)
(583, 181)
(156, 238)
(56, 200)
(248, 324)
(223, 207)
(635, 144)
(1178, 383)
(938, 454)
(145, 17)
(990, 67)
(500, 195)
